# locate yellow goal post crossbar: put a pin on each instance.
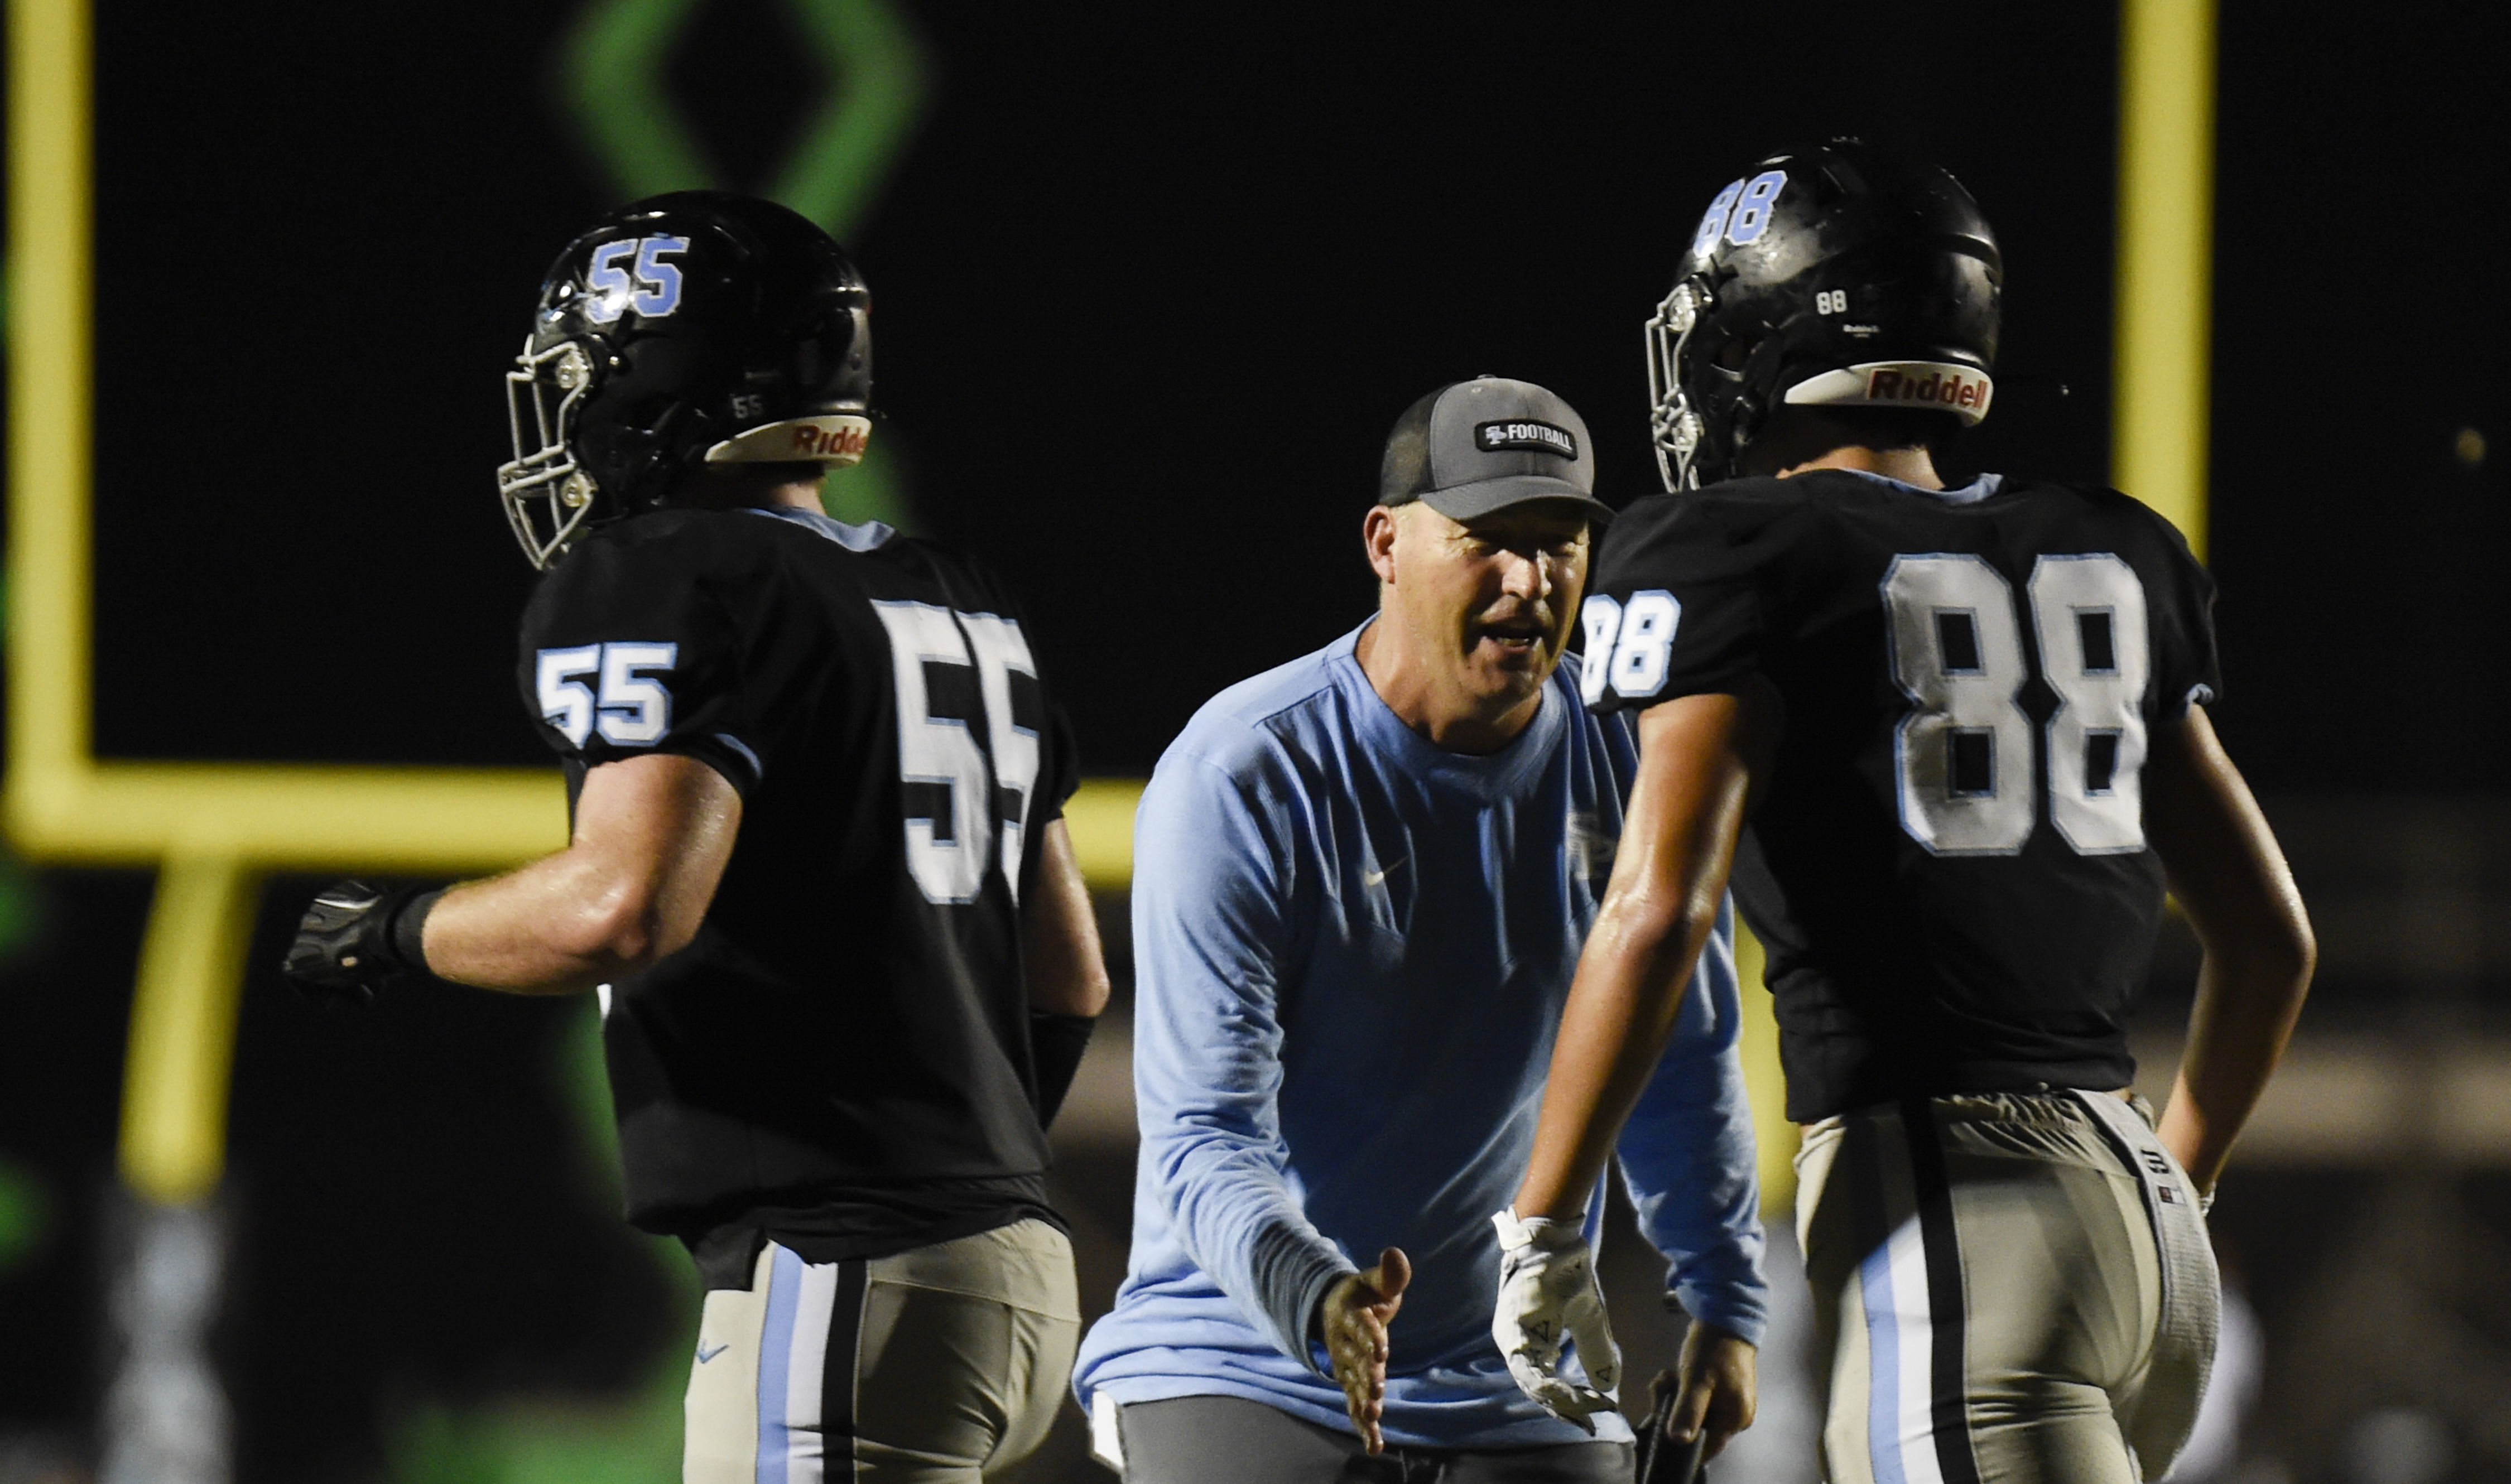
(212, 830)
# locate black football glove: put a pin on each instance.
(346, 946)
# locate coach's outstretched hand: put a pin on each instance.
(346, 948)
(1548, 1296)
(1353, 1316)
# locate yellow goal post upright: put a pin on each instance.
(2163, 308)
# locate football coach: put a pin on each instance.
(1361, 884)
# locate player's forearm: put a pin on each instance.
(562, 924)
(2244, 1016)
(1622, 1009)
(1060, 951)
(2231, 879)
(1679, 837)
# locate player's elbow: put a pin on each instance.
(1656, 925)
(2289, 953)
(2269, 958)
(617, 925)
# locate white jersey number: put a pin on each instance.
(1628, 644)
(632, 709)
(941, 749)
(1964, 751)
(2089, 612)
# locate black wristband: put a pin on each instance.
(409, 929)
(1056, 1044)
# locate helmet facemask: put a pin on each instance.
(1692, 422)
(548, 496)
(1674, 424)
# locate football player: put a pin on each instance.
(819, 874)
(1953, 743)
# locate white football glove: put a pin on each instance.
(1548, 1294)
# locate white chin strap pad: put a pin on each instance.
(1921, 386)
(833, 438)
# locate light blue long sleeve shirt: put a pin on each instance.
(1351, 953)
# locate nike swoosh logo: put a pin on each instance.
(1372, 878)
(705, 1354)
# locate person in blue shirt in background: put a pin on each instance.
(1361, 884)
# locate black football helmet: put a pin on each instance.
(698, 327)
(1829, 276)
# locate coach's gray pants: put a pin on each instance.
(940, 1365)
(2010, 1289)
(1232, 1440)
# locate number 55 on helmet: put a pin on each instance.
(697, 328)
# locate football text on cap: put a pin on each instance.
(1491, 437)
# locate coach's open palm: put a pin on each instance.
(1353, 1316)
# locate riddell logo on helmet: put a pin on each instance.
(829, 437)
(848, 439)
(1948, 389)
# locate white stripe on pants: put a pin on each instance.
(792, 1363)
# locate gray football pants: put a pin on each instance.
(1232, 1440)
(940, 1365)
(2009, 1289)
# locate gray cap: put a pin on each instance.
(1472, 447)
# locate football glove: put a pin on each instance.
(1548, 1295)
(347, 948)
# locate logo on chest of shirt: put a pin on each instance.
(1587, 849)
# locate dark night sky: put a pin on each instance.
(1149, 293)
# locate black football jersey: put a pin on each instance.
(1947, 864)
(849, 1030)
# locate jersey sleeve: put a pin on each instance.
(1213, 852)
(1681, 604)
(628, 650)
(2187, 671)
